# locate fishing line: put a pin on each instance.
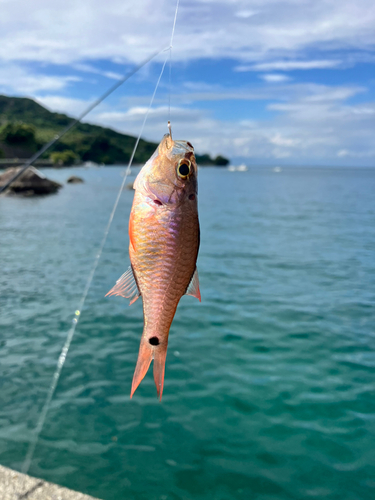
(65, 349)
(170, 60)
(77, 314)
(57, 137)
(170, 85)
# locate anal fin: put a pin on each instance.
(193, 288)
(126, 287)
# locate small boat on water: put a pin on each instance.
(239, 168)
(277, 169)
(91, 164)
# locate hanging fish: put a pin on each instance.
(163, 249)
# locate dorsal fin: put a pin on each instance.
(126, 286)
(193, 288)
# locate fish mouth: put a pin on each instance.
(175, 148)
(182, 147)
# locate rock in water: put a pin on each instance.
(73, 179)
(30, 183)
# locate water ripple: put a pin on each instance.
(269, 390)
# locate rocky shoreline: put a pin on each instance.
(31, 182)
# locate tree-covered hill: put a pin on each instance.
(25, 126)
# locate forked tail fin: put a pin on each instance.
(150, 349)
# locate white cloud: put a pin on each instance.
(61, 104)
(14, 77)
(312, 122)
(279, 140)
(274, 78)
(92, 69)
(245, 14)
(325, 93)
(129, 120)
(291, 65)
(252, 31)
(113, 75)
(303, 132)
(342, 153)
(370, 154)
(314, 125)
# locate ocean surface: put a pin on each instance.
(270, 381)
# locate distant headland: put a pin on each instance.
(25, 126)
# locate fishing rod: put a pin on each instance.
(57, 137)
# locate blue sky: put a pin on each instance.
(262, 82)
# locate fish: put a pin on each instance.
(164, 238)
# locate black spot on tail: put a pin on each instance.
(154, 341)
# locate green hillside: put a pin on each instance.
(26, 125)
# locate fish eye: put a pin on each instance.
(183, 168)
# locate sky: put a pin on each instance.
(262, 82)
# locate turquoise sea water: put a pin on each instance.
(270, 381)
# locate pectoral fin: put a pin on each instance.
(193, 288)
(126, 287)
